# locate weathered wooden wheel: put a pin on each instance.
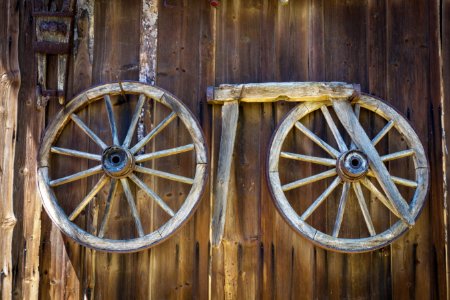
(121, 163)
(353, 168)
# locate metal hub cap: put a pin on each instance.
(117, 162)
(352, 165)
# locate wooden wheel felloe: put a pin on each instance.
(120, 165)
(351, 168)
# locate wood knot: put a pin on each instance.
(24, 171)
(10, 77)
(9, 222)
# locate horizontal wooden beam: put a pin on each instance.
(285, 91)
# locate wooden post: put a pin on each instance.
(230, 114)
(9, 90)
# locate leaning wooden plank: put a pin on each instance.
(9, 90)
(230, 113)
(287, 91)
(348, 119)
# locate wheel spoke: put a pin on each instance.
(76, 176)
(308, 180)
(405, 182)
(357, 113)
(132, 204)
(383, 132)
(321, 143)
(109, 201)
(364, 209)
(154, 132)
(112, 121)
(379, 195)
(88, 131)
(164, 153)
(152, 194)
(311, 159)
(134, 121)
(76, 153)
(398, 180)
(397, 155)
(341, 209)
(164, 175)
(98, 186)
(321, 198)
(337, 135)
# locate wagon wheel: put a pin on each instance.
(348, 170)
(121, 163)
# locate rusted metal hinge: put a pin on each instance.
(53, 33)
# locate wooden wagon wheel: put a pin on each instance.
(121, 164)
(350, 170)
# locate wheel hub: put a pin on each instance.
(352, 165)
(117, 162)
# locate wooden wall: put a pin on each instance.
(394, 49)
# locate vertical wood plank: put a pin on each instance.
(347, 61)
(9, 90)
(407, 48)
(237, 60)
(318, 65)
(268, 210)
(67, 267)
(202, 217)
(230, 115)
(381, 283)
(116, 57)
(444, 57)
(26, 197)
(81, 79)
(184, 45)
(147, 73)
(293, 256)
(439, 16)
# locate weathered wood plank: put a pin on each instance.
(178, 69)
(9, 91)
(380, 276)
(286, 91)
(407, 87)
(235, 63)
(27, 204)
(441, 27)
(345, 60)
(115, 57)
(230, 115)
(202, 218)
(69, 279)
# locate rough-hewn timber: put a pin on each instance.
(9, 90)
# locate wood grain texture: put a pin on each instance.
(237, 60)
(442, 58)
(390, 48)
(286, 91)
(230, 115)
(411, 30)
(9, 91)
(67, 268)
(183, 54)
(27, 277)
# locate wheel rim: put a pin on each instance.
(121, 163)
(345, 178)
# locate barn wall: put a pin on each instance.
(391, 48)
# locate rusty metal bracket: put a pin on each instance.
(53, 25)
